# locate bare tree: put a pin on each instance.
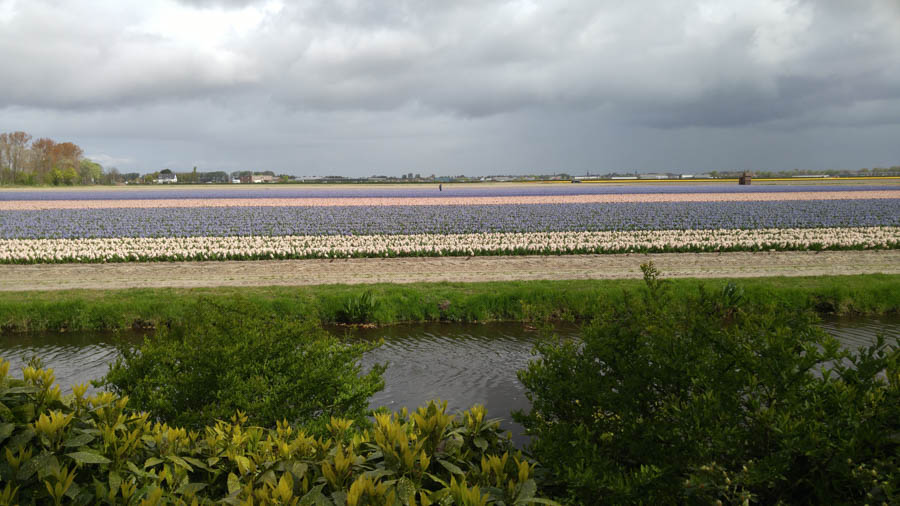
(42, 158)
(16, 152)
(67, 154)
(4, 154)
(113, 176)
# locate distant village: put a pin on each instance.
(25, 161)
(264, 177)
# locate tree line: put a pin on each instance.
(43, 161)
(28, 161)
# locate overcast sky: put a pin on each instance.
(449, 87)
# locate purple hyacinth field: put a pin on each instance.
(229, 223)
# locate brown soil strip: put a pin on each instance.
(454, 269)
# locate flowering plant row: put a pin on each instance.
(123, 249)
(419, 191)
(441, 219)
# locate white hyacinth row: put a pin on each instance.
(256, 247)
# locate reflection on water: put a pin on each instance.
(463, 364)
(76, 357)
(859, 332)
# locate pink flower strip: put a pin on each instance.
(30, 205)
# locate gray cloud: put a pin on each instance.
(490, 58)
(487, 85)
(228, 4)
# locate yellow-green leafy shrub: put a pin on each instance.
(93, 450)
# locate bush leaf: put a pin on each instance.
(88, 458)
(234, 484)
(5, 430)
(453, 468)
(79, 440)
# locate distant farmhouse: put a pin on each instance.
(165, 177)
(254, 178)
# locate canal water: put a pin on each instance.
(463, 364)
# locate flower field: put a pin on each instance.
(385, 245)
(228, 224)
(422, 191)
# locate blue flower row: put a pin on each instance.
(356, 220)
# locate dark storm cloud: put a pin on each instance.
(465, 80)
(678, 63)
(675, 63)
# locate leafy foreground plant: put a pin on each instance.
(223, 359)
(705, 398)
(95, 451)
(358, 308)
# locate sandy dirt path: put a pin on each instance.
(455, 269)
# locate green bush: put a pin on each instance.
(94, 450)
(223, 359)
(707, 398)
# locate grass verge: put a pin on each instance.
(103, 310)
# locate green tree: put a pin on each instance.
(69, 176)
(90, 172)
(56, 176)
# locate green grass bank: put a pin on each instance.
(103, 310)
